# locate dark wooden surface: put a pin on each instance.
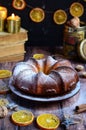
(62, 108)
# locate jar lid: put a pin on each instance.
(82, 49)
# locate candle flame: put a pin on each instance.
(13, 15)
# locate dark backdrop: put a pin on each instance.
(45, 33)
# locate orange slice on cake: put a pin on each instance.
(37, 15)
(48, 121)
(76, 9)
(38, 56)
(22, 117)
(60, 17)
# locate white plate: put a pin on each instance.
(43, 99)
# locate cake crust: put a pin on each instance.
(45, 77)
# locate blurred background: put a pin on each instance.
(47, 32)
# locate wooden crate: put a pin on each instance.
(10, 38)
(12, 50)
(12, 58)
(12, 46)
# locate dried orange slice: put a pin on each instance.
(60, 17)
(76, 9)
(37, 15)
(48, 121)
(22, 117)
(5, 74)
(19, 4)
(38, 56)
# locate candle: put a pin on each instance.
(2, 25)
(3, 12)
(3, 15)
(13, 23)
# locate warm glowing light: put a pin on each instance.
(13, 15)
(3, 12)
(13, 23)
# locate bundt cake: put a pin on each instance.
(45, 77)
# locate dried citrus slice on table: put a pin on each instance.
(76, 9)
(48, 121)
(22, 117)
(60, 17)
(37, 15)
(38, 56)
(5, 74)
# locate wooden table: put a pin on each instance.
(62, 108)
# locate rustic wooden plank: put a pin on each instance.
(58, 108)
(37, 108)
(69, 105)
(12, 58)
(7, 65)
(7, 124)
(10, 39)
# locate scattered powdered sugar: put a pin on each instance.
(19, 67)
